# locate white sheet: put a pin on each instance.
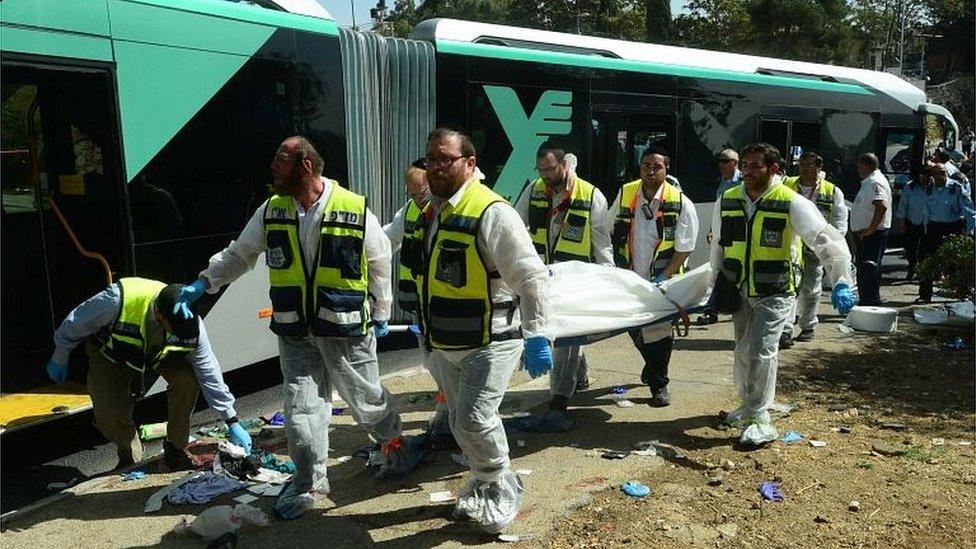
(587, 299)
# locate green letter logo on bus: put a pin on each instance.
(551, 116)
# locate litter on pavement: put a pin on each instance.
(152, 431)
(155, 501)
(203, 488)
(221, 519)
(441, 497)
(270, 476)
(791, 436)
(134, 475)
(635, 489)
(771, 491)
(62, 485)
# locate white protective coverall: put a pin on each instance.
(759, 321)
(569, 362)
(474, 381)
(311, 366)
(811, 281)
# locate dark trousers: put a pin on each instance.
(913, 243)
(657, 356)
(935, 235)
(870, 251)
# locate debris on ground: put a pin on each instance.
(635, 489)
(221, 519)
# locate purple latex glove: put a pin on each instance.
(770, 491)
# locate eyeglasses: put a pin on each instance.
(420, 163)
(445, 161)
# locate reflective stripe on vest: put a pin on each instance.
(573, 242)
(411, 259)
(758, 251)
(127, 341)
(824, 198)
(666, 222)
(332, 302)
(455, 292)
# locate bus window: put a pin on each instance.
(776, 133)
(620, 140)
(899, 153)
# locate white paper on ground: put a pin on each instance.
(441, 497)
(270, 476)
(586, 298)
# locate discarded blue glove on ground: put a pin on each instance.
(134, 475)
(635, 489)
(770, 491)
(277, 420)
(538, 356)
(791, 436)
(842, 298)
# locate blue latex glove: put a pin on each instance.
(659, 278)
(188, 296)
(239, 436)
(538, 356)
(380, 328)
(770, 491)
(56, 371)
(635, 489)
(842, 298)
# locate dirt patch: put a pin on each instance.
(897, 470)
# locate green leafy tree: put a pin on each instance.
(951, 266)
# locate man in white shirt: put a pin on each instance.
(871, 222)
(483, 300)
(329, 269)
(568, 220)
(655, 230)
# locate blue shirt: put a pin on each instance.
(100, 311)
(948, 204)
(913, 205)
(726, 184)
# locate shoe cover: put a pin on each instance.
(493, 505)
(291, 504)
(401, 457)
(736, 417)
(759, 431)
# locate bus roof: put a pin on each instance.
(447, 31)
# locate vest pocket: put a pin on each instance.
(573, 231)
(457, 322)
(733, 230)
(278, 255)
(288, 316)
(451, 263)
(772, 232)
(410, 256)
(537, 218)
(339, 312)
(771, 277)
(343, 253)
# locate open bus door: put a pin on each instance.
(63, 227)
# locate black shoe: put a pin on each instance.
(582, 384)
(706, 319)
(558, 402)
(660, 398)
(805, 335)
(175, 459)
(910, 276)
(785, 341)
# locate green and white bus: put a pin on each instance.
(137, 134)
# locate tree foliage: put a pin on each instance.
(846, 32)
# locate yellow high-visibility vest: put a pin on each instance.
(667, 220)
(456, 306)
(332, 302)
(128, 340)
(573, 242)
(758, 251)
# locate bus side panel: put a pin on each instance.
(195, 195)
